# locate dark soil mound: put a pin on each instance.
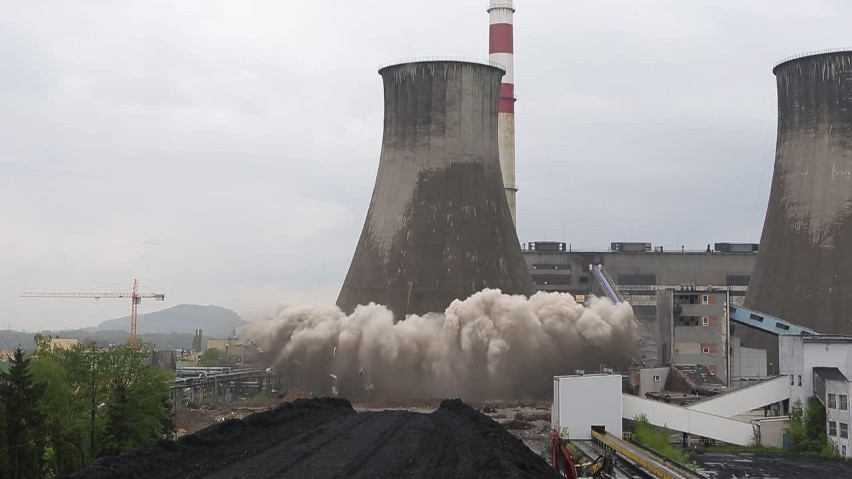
(319, 438)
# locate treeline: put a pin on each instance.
(61, 409)
(9, 340)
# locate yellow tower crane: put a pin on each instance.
(135, 298)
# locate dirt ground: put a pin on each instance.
(320, 438)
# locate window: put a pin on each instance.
(844, 450)
(656, 378)
(705, 350)
(705, 299)
(792, 380)
(800, 380)
(705, 321)
(832, 401)
(832, 428)
(844, 405)
(844, 430)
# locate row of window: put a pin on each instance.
(844, 429)
(832, 402)
(691, 298)
(693, 320)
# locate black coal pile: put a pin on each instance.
(320, 438)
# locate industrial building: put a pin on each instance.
(644, 274)
(694, 401)
(693, 328)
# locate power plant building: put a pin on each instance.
(649, 278)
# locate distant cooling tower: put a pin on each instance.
(439, 226)
(803, 272)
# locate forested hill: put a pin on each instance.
(214, 321)
(167, 329)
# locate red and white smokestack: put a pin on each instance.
(500, 50)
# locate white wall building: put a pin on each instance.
(819, 366)
(580, 402)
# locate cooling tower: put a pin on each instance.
(439, 226)
(803, 272)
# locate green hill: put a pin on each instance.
(215, 321)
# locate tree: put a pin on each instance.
(4, 444)
(136, 405)
(24, 419)
(196, 340)
(215, 357)
(66, 428)
(99, 402)
(807, 428)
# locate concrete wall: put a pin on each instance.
(805, 264)
(438, 227)
(580, 402)
(747, 363)
(773, 430)
(652, 380)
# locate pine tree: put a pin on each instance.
(24, 419)
(4, 444)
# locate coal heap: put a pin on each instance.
(319, 438)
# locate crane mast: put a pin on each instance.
(134, 295)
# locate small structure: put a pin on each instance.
(63, 343)
(586, 401)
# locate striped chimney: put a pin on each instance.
(500, 50)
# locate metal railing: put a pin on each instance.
(496, 5)
(813, 53)
(478, 61)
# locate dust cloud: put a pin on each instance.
(488, 346)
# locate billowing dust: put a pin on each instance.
(488, 346)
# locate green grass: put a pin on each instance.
(658, 441)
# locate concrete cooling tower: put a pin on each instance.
(803, 272)
(439, 226)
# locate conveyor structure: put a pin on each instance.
(766, 323)
(644, 459)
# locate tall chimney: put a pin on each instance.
(501, 50)
(438, 227)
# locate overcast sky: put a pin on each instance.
(224, 152)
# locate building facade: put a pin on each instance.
(819, 366)
(640, 271)
(693, 328)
